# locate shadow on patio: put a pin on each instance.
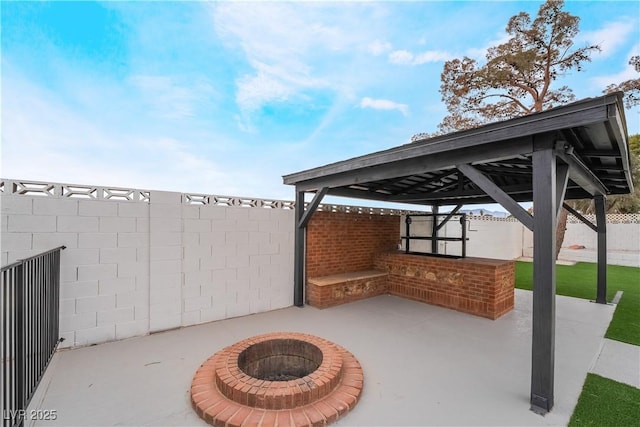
(423, 365)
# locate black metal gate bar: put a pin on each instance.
(434, 238)
(29, 322)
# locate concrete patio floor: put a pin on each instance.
(423, 365)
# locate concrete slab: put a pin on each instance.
(423, 365)
(619, 361)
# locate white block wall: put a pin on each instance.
(131, 268)
(497, 238)
(503, 238)
(620, 237)
(623, 243)
(104, 286)
(487, 237)
(236, 261)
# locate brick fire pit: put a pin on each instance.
(277, 379)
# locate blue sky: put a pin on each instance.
(224, 98)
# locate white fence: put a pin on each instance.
(141, 261)
(623, 240)
(144, 261)
(507, 238)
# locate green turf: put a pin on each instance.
(604, 402)
(580, 281)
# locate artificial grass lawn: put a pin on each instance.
(580, 281)
(605, 402)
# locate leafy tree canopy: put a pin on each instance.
(518, 75)
(631, 87)
(626, 203)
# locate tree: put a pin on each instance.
(631, 87)
(517, 77)
(625, 203)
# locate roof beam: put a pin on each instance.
(432, 180)
(600, 153)
(505, 170)
(520, 193)
(440, 195)
(414, 166)
(579, 172)
(618, 128)
(497, 194)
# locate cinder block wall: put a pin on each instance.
(498, 238)
(104, 270)
(489, 237)
(623, 240)
(340, 242)
(134, 267)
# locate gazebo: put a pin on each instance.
(576, 151)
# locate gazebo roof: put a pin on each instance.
(590, 136)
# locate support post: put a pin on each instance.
(601, 223)
(299, 252)
(562, 178)
(302, 218)
(434, 230)
(463, 221)
(407, 228)
(544, 280)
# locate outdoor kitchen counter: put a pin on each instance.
(479, 286)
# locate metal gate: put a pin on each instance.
(29, 325)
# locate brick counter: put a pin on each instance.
(479, 286)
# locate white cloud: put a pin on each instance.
(628, 73)
(401, 57)
(384, 104)
(378, 47)
(44, 138)
(610, 37)
(294, 48)
(404, 57)
(256, 90)
(168, 98)
(278, 40)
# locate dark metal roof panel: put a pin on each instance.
(593, 129)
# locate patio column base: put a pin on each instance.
(540, 405)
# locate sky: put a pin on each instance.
(224, 98)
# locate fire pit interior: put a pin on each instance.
(277, 379)
(280, 359)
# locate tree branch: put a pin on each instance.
(515, 100)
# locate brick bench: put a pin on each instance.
(327, 291)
